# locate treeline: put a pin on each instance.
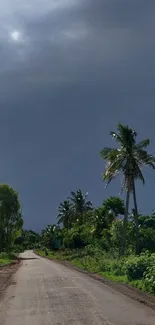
(83, 225)
(92, 239)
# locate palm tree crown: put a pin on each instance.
(79, 202)
(128, 159)
(64, 215)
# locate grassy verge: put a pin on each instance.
(109, 268)
(6, 259)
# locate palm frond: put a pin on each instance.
(61, 220)
(146, 158)
(109, 153)
(143, 144)
(111, 171)
(138, 174)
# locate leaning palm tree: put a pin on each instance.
(128, 160)
(80, 205)
(65, 214)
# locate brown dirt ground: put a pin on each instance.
(6, 275)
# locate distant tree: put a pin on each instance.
(147, 221)
(147, 239)
(29, 239)
(103, 218)
(65, 216)
(50, 236)
(10, 216)
(115, 204)
(80, 204)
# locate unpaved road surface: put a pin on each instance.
(44, 292)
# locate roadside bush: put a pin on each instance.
(6, 256)
(90, 264)
(118, 267)
(149, 279)
(137, 266)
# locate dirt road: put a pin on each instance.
(45, 292)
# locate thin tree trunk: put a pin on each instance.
(136, 218)
(125, 222)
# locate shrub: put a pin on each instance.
(149, 279)
(118, 267)
(137, 266)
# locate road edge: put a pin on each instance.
(125, 289)
(15, 266)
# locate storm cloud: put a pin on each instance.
(66, 42)
(66, 66)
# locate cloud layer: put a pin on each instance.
(69, 70)
(65, 42)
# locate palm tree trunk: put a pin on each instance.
(125, 222)
(136, 218)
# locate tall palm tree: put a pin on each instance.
(65, 214)
(128, 160)
(79, 203)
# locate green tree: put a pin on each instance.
(50, 236)
(65, 215)
(116, 235)
(77, 237)
(114, 204)
(128, 160)
(10, 216)
(29, 239)
(147, 221)
(147, 239)
(80, 205)
(102, 219)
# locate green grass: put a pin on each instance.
(6, 259)
(51, 255)
(123, 279)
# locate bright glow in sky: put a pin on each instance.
(16, 35)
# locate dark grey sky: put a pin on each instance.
(70, 70)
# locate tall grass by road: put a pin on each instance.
(6, 259)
